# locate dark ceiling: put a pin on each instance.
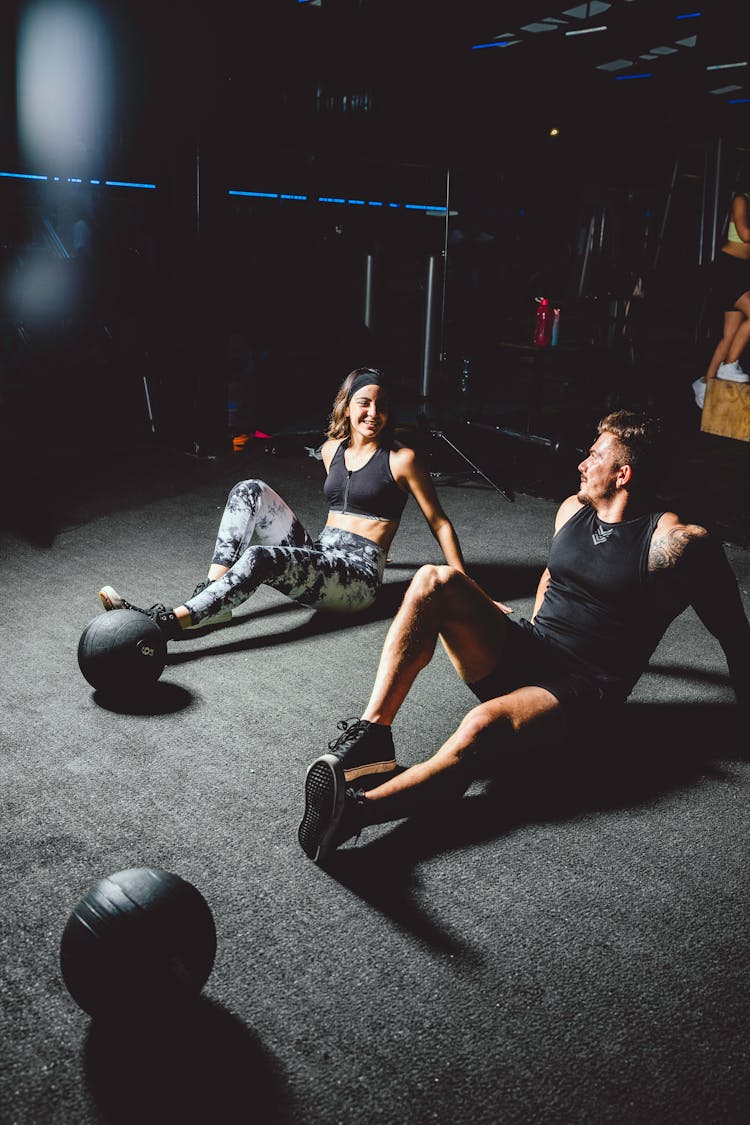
(422, 81)
(432, 81)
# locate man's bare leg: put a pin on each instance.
(508, 719)
(334, 814)
(440, 602)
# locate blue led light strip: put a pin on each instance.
(630, 77)
(256, 194)
(21, 176)
(125, 183)
(74, 180)
(340, 200)
(297, 197)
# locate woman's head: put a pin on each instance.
(363, 392)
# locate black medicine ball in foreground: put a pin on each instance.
(138, 946)
(122, 652)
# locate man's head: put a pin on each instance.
(625, 455)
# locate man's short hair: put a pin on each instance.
(639, 445)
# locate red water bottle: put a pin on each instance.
(543, 324)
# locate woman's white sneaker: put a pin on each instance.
(732, 371)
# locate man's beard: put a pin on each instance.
(608, 493)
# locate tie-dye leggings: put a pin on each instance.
(339, 571)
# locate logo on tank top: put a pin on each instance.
(600, 535)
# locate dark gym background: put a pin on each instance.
(208, 215)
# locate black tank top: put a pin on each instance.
(370, 491)
(601, 604)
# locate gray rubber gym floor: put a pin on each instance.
(567, 943)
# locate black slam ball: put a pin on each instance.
(122, 651)
(138, 947)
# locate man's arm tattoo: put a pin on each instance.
(668, 547)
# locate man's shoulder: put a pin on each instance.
(672, 541)
(568, 508)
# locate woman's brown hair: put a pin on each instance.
(338, 423)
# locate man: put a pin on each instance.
(618, 574)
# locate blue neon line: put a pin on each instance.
(484, 46)
(689, 16)
(257, 194)
(337, 199)
(629, 77)
(73, 180)
(234, 191)
(126, 183)
(738, 101)
(21, 176)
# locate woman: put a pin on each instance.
(369, 479)
(730, 293)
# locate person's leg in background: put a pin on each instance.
(730, 368)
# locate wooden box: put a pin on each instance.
(726, 409)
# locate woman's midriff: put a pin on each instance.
(377, 531)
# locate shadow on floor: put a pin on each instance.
(651, 751)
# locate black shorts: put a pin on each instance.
(729, 278)
(530, 660)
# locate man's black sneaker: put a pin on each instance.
(165, 618)
(221, 617)
(333, 813)
(364, 748)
